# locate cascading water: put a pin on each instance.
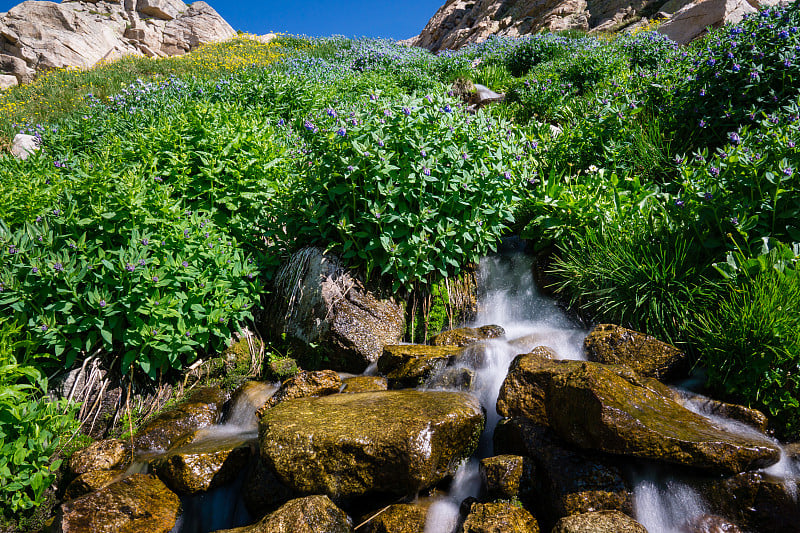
(508, 298)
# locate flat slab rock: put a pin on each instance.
(347, 445)
(137, 503)
(610, 409)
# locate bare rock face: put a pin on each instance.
(318, 301)
(460, 22)
(37, 36)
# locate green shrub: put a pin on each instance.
(750, 344)
(634, 275)
(32, 429)
(412, 189)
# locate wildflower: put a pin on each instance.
(331, 113)
(129, 267)
(102, 303)
(35, 270)
(281, 122)
(44, 327)
(406, 111)
(158, 179)
(734, 137)
(507, 175)
(426, 171)
(736, 67)
(702, 123)
(447, 108)
(310, 126)
(145, 242)
(58, 267)
(341, 132)
(714, 171)
(788, 171)
(155, 279)
(350, 168)
(142, 262)
(783, 34)
(56, 212)
(734, 221)
(592, 169)
(38, 219)
(12, 250)
(423, 153)
(708, 197)
(680, 203)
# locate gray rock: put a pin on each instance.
(317, 301)
(163, 9)
(24, 145)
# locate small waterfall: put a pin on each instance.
(665, 506)
(508, 298)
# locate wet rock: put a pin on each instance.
(708, 523)
(646, 355)
(304, 384)
(453, 378)
(318, 301)
(750, 417)
(566, 481)
(137, 503)
(23, 145)
(756, 501)
(196, 464)
(313, 514)
(467, 336)
(792, 451)
(90, 482)
(599, 522)
(410, 365)
(400, 518)
(202, 408)
(365, 384)
(604, 408)
(100, 455)
(499, 517)
(505, 477)
(262, 491)
(347, 445)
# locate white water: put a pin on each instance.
(508, 298)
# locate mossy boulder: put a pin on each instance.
(755, 501)
(195, 464)
(313, 514)
(566, 480)
(364, 384)
(137, 503)
(467, 336)
(317, 383)
(505, 477)
(646, 355)
(607, 408)
(202, 408)
(400, 518)
(599, 522)
(90, 482)
(499, 517)
(347, 445)
(411, 365)
(100, 455)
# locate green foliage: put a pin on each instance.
(750, 343)
(32, 428)
(410, 188)
(637, 276)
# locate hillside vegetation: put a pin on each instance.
(165, 193)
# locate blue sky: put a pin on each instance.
(351, 18)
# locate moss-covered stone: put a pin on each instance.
(100, 455)
(609, 408)
(400, 518)
(201, 409)
(365, 384)
(195, 464)
(90, 482)
(566, 481)
(599, 522)
(646, 355)
(467, 336)
(304, 384)
(410, 365)
(499, 517)
(137, 503)
(452, 378)
(506, 477)
(746, 415)
(348, 445)
(313, 514)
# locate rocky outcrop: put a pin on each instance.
(137, 503)
(37, 36)
(318, 301)
(312, 514)
(599, 522)
(347, 445)
(460, 22)
(201, 409)
(601, 407)
(499, 517)
(467, 336)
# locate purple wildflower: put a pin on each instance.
(58, 267)
(341, 132)
(102, 303)
(155, 279)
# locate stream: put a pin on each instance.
(663, 502)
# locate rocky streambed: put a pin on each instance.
(523, 423)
